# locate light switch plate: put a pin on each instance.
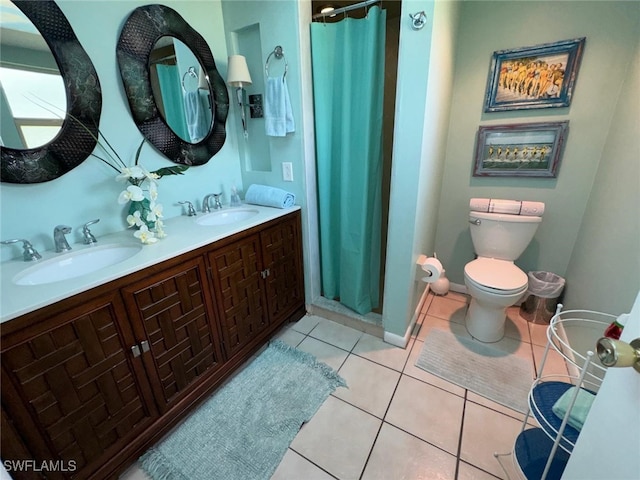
(287, 171)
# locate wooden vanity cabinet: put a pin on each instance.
(70, 388)
(284, 278)
(237, 274)
(258, 282)
(175, 329)
(94, 380)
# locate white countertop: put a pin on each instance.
(183, 235)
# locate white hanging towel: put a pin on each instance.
(196, 122)
(277, 108)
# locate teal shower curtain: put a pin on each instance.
(348, 88)
(172, 99)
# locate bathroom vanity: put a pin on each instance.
(92, 378)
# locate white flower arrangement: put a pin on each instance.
(144, 213)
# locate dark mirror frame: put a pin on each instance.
(139, 34)
(79, 132)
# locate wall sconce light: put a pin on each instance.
(238, 76)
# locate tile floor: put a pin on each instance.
(396, 421)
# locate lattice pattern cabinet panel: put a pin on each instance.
(283, 260)
(80, 389)
(237, 278)
(177, 320)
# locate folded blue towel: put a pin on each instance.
(269, 196)
(580, 409)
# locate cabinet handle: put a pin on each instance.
(265, 273)
(145, 346)
(135, 350)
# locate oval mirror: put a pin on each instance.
(147, 29)
(180, 89)
(51, 97)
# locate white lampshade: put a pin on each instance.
(238, 72)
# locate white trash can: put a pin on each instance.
(542, 297)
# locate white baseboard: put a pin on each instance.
(397, 340)
(458, 288)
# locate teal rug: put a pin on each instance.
(480, 367)
(243, 431)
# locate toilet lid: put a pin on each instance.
(496, 274)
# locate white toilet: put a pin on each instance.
(493, 281)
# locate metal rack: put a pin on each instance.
(542, 453)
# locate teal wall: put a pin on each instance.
(276, 23)
(604, 270)
(90, 191)
(611, 29)
(422, 117)
(441, 83)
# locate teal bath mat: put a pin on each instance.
(486, 370)
(243, 431)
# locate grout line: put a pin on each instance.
(416, 344)
(366, 462)
(480, 469)
(313, 463)
(459, 450)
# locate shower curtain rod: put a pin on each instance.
(346, 9)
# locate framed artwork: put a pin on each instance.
(520, 150)
(542, 76)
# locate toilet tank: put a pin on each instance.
(501, 236)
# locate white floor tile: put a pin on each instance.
(555, 363)
(295, 467)
(377, 350)
(431, 322)
(336, 334)
(448, 309)
(306, 324)
(370, 386)
(538, 333)
(338, 439)
(515, 326)
(332, 356)
(479, 399)
(427, 412)
(290, 336)
(398, 455)
(486, 432)
(469, 472)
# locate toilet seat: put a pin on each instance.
(500, 277)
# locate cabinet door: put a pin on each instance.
(238, 287)
(173, 313)
(282, 256)
(71, 388)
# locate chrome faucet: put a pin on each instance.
(205, 202)
(191, 212)
(89, 238)
(29, 254)
(59, 239)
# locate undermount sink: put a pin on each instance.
(75, 264)
(226, 217)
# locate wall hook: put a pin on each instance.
(418, 20)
